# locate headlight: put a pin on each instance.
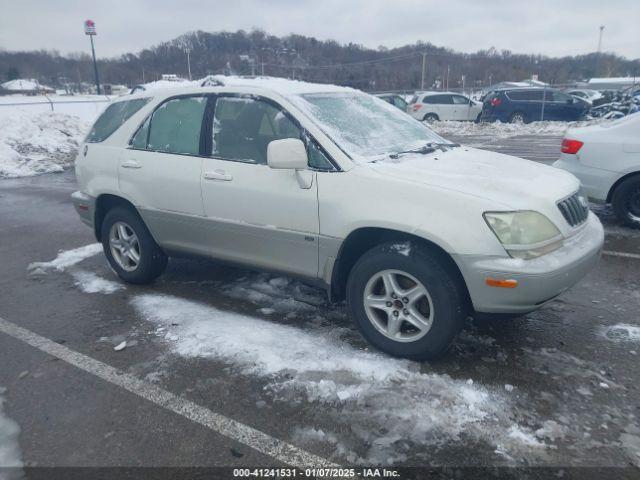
(525, 234)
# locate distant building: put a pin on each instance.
(171, 77)
(611, 83)
(24, 86)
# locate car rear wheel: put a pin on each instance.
(405, 301)
(430, 118)
(129, 247)
(517, 117)
(626, 202)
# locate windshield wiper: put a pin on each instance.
(425, 149)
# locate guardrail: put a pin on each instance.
(83, 107)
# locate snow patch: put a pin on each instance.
(10, 455)
(66, 259)
(374, 392)
(89, 282)
(499, 130)
(35, 143)
(621, 332)
(402, 248)
(275, 294)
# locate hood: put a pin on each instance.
(512, 182)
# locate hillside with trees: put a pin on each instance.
(298, 56)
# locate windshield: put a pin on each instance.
(364, 126)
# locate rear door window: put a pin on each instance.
(113, 117)
(559, 97)
(438, 100)
(176, 125)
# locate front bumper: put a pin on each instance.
(85, 205)
(539, 280)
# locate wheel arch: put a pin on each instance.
(104, 203)
(618, 182)
(364, 239)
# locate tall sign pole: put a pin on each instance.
(424, 69)
(90, 29)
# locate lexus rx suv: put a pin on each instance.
(341, 189)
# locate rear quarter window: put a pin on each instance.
(113, 117)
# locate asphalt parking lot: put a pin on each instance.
(227, 367)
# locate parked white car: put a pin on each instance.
(606, 159)
(341, 189)
(590, 96)
(432, 106)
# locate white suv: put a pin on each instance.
(339, 188)
(433, 106)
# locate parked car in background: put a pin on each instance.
(594, 97)
(606, 159)
(415, 231)
(395, 100)
(524, 105)
(432, 106)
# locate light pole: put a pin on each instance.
(599, 48)
(424, 68)
(189, 62)
(90, 29)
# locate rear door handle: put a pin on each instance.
(130, 164)
(217, 175)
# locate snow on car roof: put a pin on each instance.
(282, 86)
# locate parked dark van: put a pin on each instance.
(524, 105)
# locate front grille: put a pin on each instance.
(574, 209)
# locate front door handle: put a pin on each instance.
(217, 175)
(130, 164)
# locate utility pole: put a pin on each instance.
(189, 62)
(262, 65)
(599, 48)
(448, 70)
(424, 69)
(90, 29)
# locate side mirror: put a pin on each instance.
(288, 153)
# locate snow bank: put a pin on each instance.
(9, 449)
(496, 130)
(385, 402)
(32, 144)
(622, 332)
(65, 259)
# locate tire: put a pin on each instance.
(443, 303)
(626, 201)
(138, 242)
(430, 117)
(517, 117)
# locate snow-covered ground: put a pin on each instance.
(10, 455)
(374, 408)
(35, 143)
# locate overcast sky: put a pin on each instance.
(553, 27)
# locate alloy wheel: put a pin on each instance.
(398, 305)
(124, 246)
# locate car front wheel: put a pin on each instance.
(405, 301)
(626, 201)
(129, 247)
